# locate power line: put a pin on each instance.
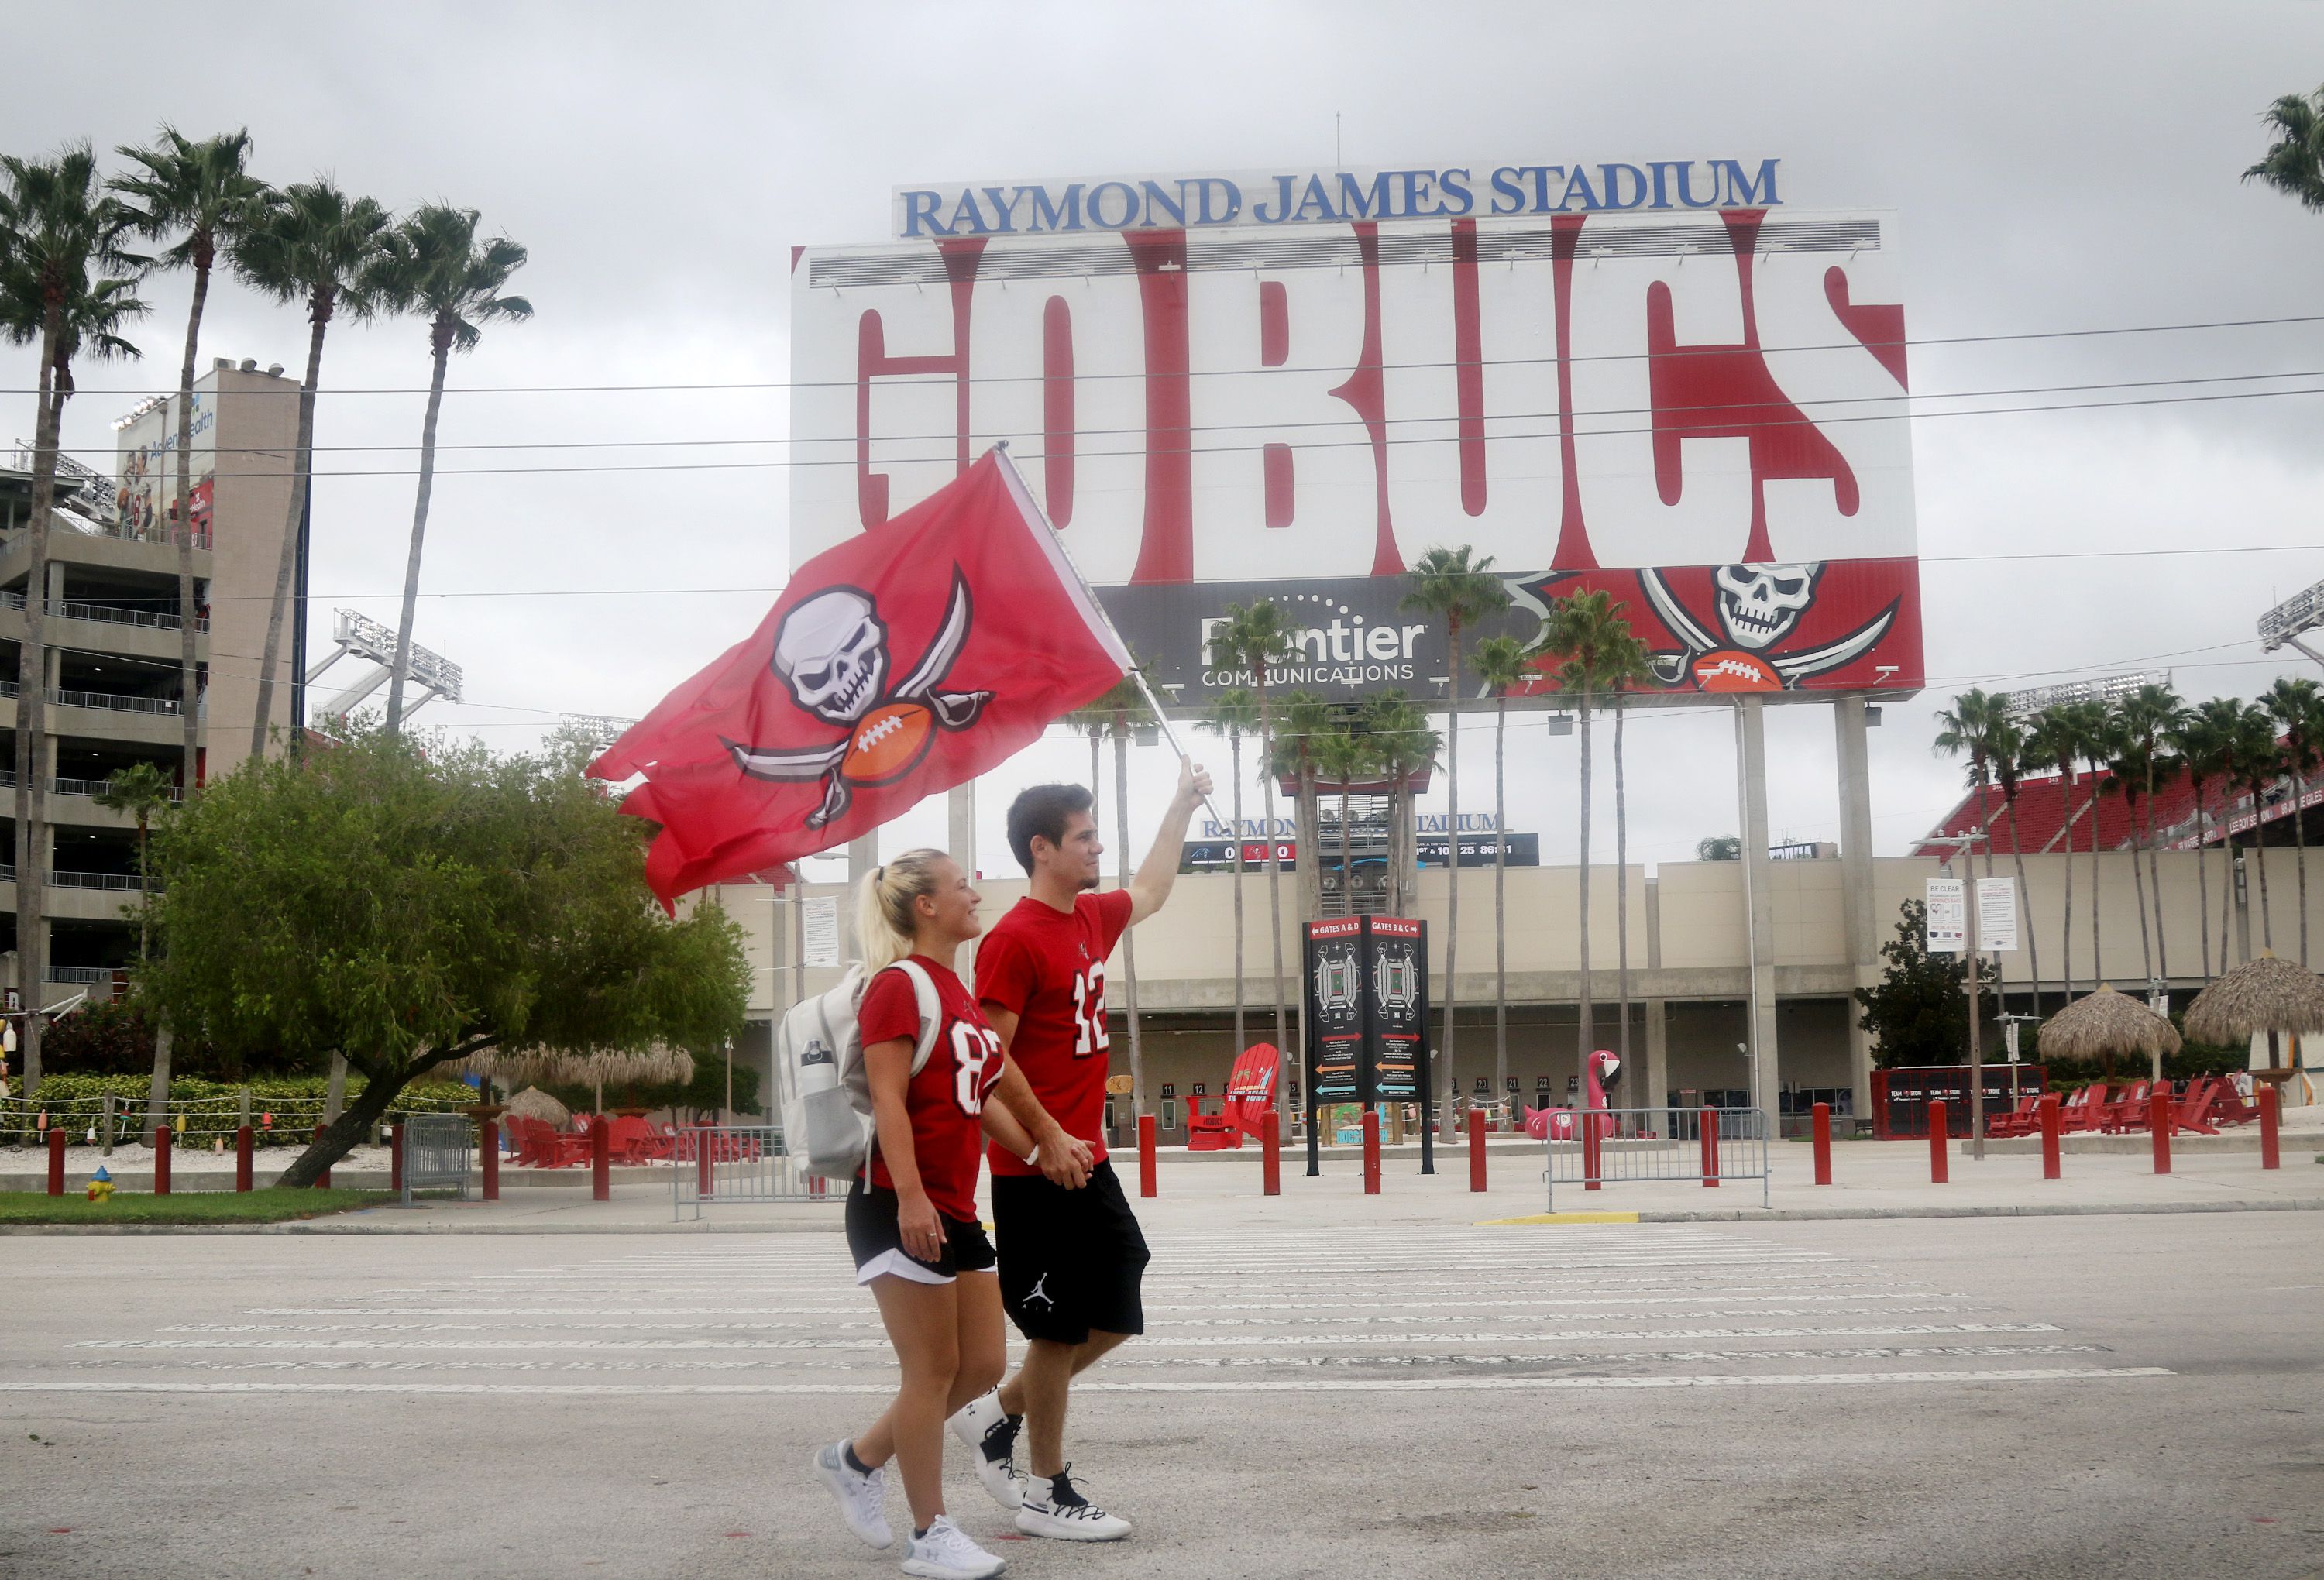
(908, 380)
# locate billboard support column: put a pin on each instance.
(1759, 895)
(960, 808)
(1859, 919)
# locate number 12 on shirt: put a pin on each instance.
(1088, 1012)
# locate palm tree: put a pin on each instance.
(2295, 165)
(1577, 633)
(1234, 713)
(1308, 720)
(433, 265)
(1256, 639)
(2094, 739)
(1453, 583)
(67, 281)
(200, 194)
(2010, 757)
(1114, 714)
(1343, 756)
(2259, 763)
(2050, 739)
(312, 244)
(1969, 728)
(2202, 740)
(2132, 765)
(2153, 714)
(1500, 666)
(1623, 666)
(2297, 710)
(141, 790)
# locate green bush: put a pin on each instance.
(76, 1103)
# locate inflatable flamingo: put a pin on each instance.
(1601, 1072)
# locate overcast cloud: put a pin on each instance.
(2056, 167)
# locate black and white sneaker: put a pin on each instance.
(1053, 1508)
(991, 1434)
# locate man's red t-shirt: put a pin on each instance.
(1047, 967)
(948, 1094)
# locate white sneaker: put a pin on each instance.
(991, 1434)
(861, 1496)
(944, 1553)
(1052, 1508)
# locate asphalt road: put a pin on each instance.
(2102, 1396)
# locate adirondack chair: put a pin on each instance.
(634, 1141)
(2129, 1111)
(2229, 1106)
(2084, 1110)
(2024, 1120)
(1249, 1092)
(540, 1145)
(2191, 1110)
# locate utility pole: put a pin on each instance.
(1961, 844)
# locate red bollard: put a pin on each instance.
(1147, 1183)
(2158, 1122)
(1708, 1125)
(705, 1156)
(323, 1180)
(243, 1143)
(1822, 1120)
(1590, 1152)
(2269, 1157)
(1940, 1164)
(1371, 1152)
(601, 1161)
(1476, 1149)
(488, 1147)
(161, 1159)
(56, 1161)
(395, 1157)
(1270, 1154)
(2051, 1167)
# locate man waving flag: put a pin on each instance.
(899, 663)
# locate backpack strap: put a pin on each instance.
(923, 987)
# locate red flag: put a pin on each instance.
(895, 665)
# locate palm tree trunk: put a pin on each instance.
(189, 688)
(1452, 884)
(443, 339)
(1500, 901)
(1586, 1031)
(1621, 892)
(2300, 845)
(2259, 850)
(2154, 883)
(1347, 852)
(301, 468)
(31, 705)
(157, 1094)
(2202, 886)
(1274, 892)
(1234, 750)
(2138, 881)
(2097, 960)
(2025, 900)
(2066, 925)
(1128, 948)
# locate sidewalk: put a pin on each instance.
(1220, 1195)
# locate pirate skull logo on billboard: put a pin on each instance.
(1758, 607)
(831, 653)
(1759, 604)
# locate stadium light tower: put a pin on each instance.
(2288, 621)
(2022, 703)
(598, 729)
(355, 636)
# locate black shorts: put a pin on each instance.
(878, 1248)
(1071, 1261)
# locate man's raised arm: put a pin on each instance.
(1151, 885)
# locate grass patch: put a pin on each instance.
(272, 1205)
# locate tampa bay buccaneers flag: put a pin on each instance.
(899, 663)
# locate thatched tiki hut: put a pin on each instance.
(2264, 995)
(655, 1065)
(532, 1103)
(2101, 1025)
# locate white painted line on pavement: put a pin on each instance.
(1240, 1385)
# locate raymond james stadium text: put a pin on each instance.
(1305, 196)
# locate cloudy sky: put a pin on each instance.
(2058, 167)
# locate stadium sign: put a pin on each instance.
(1702, 413)
(1326, 197)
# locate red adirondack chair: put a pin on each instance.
(2083, 1110)
(1250, 1092)
(2229, 1106)
(2129, 1111)
(2191, 1111)
(2024, 1120)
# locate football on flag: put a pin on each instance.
(889, 742)
(909, 659)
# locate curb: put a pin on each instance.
(331, 1226)
(1809, 1214)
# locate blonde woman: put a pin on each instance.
(912, 1223)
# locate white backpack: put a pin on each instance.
(820, 1085)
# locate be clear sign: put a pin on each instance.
(1996, 915)
(1948, 916)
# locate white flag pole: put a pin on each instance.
(1090, 593)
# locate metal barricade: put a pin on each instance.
(1624, 1146)
(436, 1152)
(735, 1163)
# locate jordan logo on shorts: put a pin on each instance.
(1037, 1294)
